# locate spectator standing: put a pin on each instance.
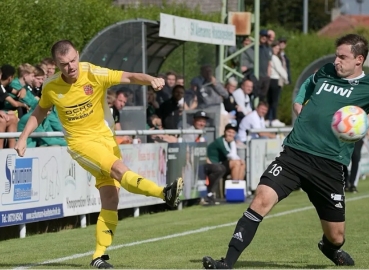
(352, 177)
(278, 78)
(261, 85)
(285, 60)
(207, 89)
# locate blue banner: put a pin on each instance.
(22, 216)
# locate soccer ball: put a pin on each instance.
(350, 124)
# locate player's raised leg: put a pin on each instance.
(138, 184)
(276, 183)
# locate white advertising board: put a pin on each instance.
(80, 195)
(181, 28)
(262, 153)
(146, 160)
(31, 187)
(47, 183)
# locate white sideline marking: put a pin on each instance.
(205, 229)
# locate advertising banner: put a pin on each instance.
(30, 187)
(47, 183)
(262, 153)
(80, 195)
(149, 161)
(187, 160)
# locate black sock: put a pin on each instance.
(243, 234)
(328, 248)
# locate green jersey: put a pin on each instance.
(326, 93)
(218, 150)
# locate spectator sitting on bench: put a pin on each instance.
(223, 160)
(200, 119)
(255, 120)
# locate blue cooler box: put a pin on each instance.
(235, 190)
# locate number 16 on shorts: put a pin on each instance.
(275, 169)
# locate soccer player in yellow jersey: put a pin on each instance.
(79, 94)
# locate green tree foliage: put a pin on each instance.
(289, 13)
(29, 28)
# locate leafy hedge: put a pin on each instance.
(29, 28)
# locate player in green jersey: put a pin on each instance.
(313, 158)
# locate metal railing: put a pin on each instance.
(273, 130)
(7, 135)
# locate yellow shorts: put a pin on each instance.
(97, 157)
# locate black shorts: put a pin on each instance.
(322, 180)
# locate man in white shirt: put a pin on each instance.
(255, 120)
(242, 98)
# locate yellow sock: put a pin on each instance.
(105, 229)
(135, 183)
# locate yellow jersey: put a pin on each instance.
(82, 106)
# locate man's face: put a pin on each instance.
(178, 94)
(207, 73)
(282, 45)
(231, 87)
(120, 102)
(150, 96)
(263, 39)
(50, 70)
(247, 87)
(246, 41)
(28, 78)
(171, 80)
(68, 64)
(262, 110)
(229, 135)
(180, 82)
(271, 36)
(199, 123)
(345, 62)
(38, 81)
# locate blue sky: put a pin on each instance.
(352, 7)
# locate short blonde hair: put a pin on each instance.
(25, 69)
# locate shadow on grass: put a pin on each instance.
(282, 264)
